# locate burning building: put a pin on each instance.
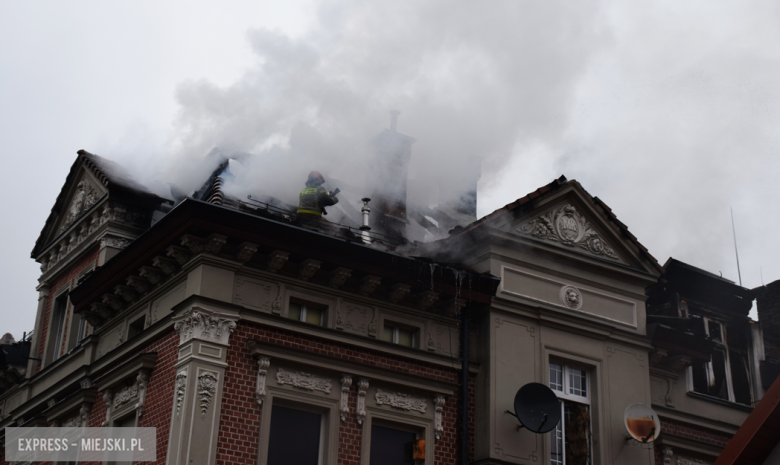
(246, 335)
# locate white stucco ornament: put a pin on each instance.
(571, 297)
(199, 323)
(567, 226)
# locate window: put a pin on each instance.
(129, 421)
(398, 335)
(57, 328)
(136, 327)
(390, 446)
(307, 312)
(76, 332)
(571, 439)
(726, 376)
(294, 437)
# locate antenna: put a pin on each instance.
(537, 408)
(734, 230)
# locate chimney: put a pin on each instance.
(394, 120)
(387, 173)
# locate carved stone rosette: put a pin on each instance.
(401, 401)
(262, 371)
(361, 400)
(203, 324)
(302, 380)
(207, 387)
(571, 297)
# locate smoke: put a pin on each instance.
(472, 82)
(667, 111)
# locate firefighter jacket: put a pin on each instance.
(314, 200)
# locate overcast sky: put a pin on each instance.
(666, 110)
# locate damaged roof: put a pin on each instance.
(110, 174)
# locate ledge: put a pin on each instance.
(718, 400)
(328, 362)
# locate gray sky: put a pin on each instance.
(668, 111)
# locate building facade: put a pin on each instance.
(246, 336)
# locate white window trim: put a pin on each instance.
(565, 395)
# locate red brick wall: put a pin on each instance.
(239, 428)
(694, 432)
(64, 280)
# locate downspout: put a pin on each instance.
(464, 387)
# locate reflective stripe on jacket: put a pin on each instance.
(314, 200)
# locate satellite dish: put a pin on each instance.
(537, 407)
(641, 423)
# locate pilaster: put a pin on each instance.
(204, 338)
(43, 298)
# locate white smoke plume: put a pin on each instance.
(667, 112)
(471, 80)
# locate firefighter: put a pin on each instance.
(315, 198)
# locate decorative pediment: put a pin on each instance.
(567, 226)
(84, 193)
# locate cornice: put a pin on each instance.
(275, 352)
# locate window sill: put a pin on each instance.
(718, 400)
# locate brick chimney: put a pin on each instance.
(387, 174)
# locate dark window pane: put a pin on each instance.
(295, 311)
(391, 446)
(700, 378)
(720, 389)
(294, 437)
(715, 331)
(740, 378)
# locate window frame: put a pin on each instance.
(417, 326)
(395, 335)
(565, 394)
(721, 346)
(328, 305)
(422, 426)
(53, 349)
(328, 407)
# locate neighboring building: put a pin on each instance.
(758, 439)
(704, 368)
(246, 336)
